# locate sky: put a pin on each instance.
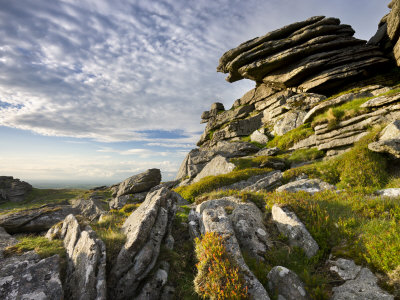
(95, 91)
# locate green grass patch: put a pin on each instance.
(38, 197)
(255, 162)
(304, 155)
(345, 111)
(357, 168)
(210, 183)
(348, 224)
(292, 137)
(182, 259)
(354, 90)
(248, 140)
(109, 231)
(42, 246)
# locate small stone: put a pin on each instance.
(259, 137)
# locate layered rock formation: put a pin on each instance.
(13, 190)
(312, 55)
(388, 34)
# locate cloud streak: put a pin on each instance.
(108, 70)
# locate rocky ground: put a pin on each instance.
(292, 193)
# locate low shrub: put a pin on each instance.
(218, 277)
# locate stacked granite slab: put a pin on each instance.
(388, 34)
(313, 55)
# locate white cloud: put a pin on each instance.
(106, 70)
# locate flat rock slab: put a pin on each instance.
(266, 182)
(361, 283)
(286, 284)
(306, 185)
(268, 151)
(290, 225)
(29, 277)
(37, 219)
(391, 147)
(391, 193)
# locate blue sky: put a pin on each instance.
(96, 91)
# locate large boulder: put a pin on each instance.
(360, 283)
(241, 226)
(286, 284)
(13, 190)
(91, 208)
(196, 159)
(389, 140)
(217, 166)
(314, 55)
(259, 137)
(86, 273)
(145, 229)
(290, 225)
(138, 183)
(29, 277)
(36, 219)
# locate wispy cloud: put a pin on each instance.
(108, 70)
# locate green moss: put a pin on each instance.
(210, 183)
(292, 137)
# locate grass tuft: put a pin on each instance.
(210, 183)
(292, 137)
